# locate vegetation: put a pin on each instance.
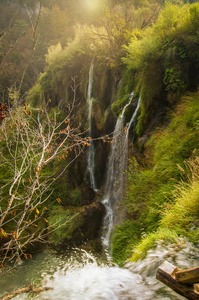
(31, 139)
(149, 47)
(162, 191)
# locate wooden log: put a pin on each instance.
(166, 274)
(39, 290)
(17, 292)
(189, 276)
(25, 289)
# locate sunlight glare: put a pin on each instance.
(92, 6)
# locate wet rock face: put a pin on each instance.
(92, 215)
(87, 194)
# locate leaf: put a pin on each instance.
(14, 234)
(58, 200)
(3, 234)
(37, 211)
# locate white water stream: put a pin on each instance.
(91, 150)
(115, 177)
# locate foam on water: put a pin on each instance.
(95, 282)
(82, 276)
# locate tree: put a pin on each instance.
(30, 140)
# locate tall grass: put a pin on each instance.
(183, 214)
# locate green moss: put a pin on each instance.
(63, 223)
(75, 197)
(126, 88)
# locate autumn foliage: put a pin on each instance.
(3, 111)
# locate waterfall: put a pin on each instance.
(133, 117)
(90, 155)
(115, 177)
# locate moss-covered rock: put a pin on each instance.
(75, 225)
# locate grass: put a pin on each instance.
(164, 235)
(183, 214)
(163, 190)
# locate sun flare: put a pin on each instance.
(93, 5)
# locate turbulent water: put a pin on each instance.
(80, 275)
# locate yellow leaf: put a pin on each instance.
(58, 200)
(37, 211)
(2, 233)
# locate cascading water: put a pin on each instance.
(115, 178)
(133, 118)
(90, 155)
